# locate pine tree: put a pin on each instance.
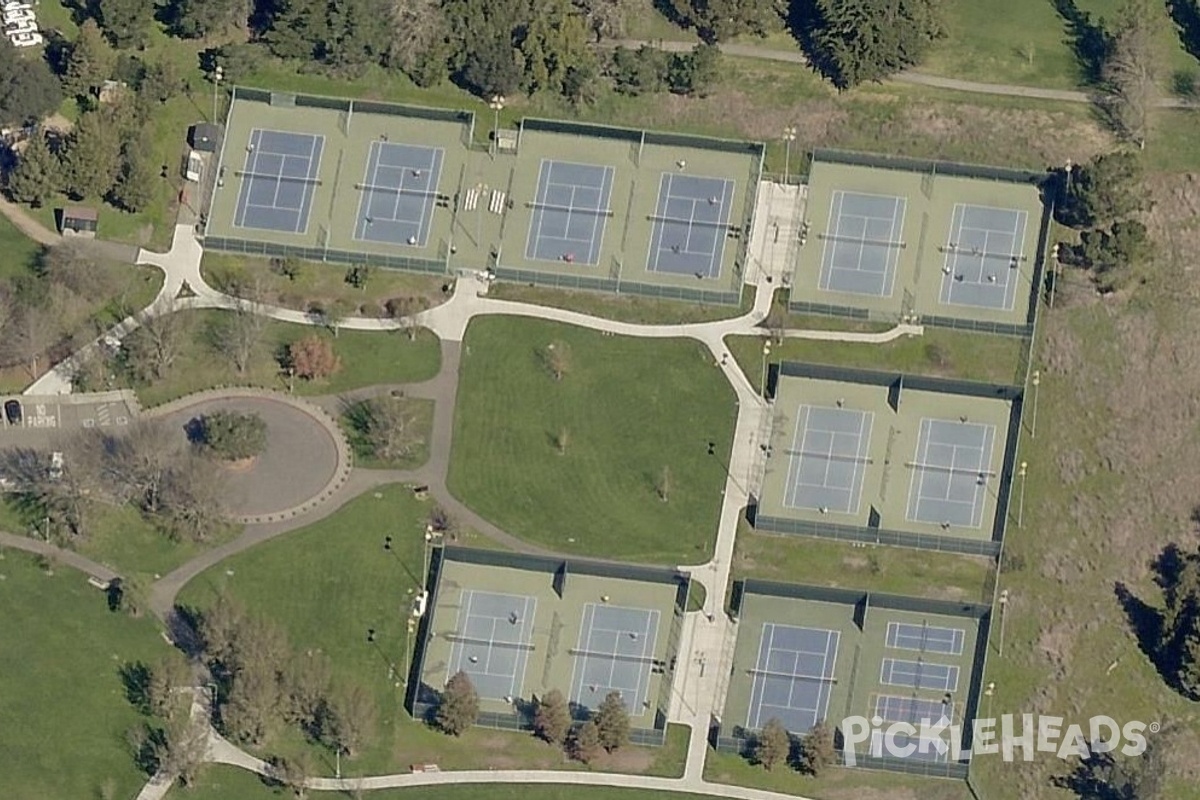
(125, 21)
(459, 707)
(38, 174)
(867, 40)
(93, 157)
(139, 176)
(1179, 650)
(90, 63)
(585, 744)
(817, 749)
(612, 722)
(195, 19)
(552, 721)
(772, 745)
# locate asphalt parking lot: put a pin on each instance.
(40, 421)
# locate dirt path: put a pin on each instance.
(27, 224)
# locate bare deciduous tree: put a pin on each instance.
(389, 427)
(238, 335)
(1132, 69)
(556, 357)
(26, 337)
(351, 721)
(151, 350)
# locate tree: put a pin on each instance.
(313, 357)
(717, 20)
(196, 19)
(585, 744)
(332, 313)
(817, 749)
(1131, 72)
(554, 41)
(605, 18)
(289, 267)
(389, 427)
(1179, 644)
(151, 350)
(459, 706)
(772, 745)
(552, 720)
(168, 677)
(138, 176)
(239, 59)
(38, 174)
(93, 155)
(234, 436)
(1104, 190)
(556, 358)
(27, 336)
(238, 335)
(253, 706)
(1113, 256)
(293, 773)
(351, 720)
(125, 21)
(162, 81)
(562, 440)
(306, 682)
(490, 67)
(29, 90)
(856, 41)
(1102, 776)
(419, 47)
(641, 71)
(358, 275)
(90, 63)
(70, 265)
(612, 722)
(180, 748)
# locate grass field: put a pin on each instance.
(63, 704)
(623, 308)
(229, 783)
(951, 353)
(318, 282)
(330, 582)
(893, 570)
(629, 407)
(367, 358)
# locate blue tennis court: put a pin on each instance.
(862, 244)
(982, 266)
(615, 653)
(919, 674)
(491, 643)
(828, 459)
(950, 474)
(399, 190)
(915, 711)
(793, 677)
(278, 181)
(690, 225)
(570, 213)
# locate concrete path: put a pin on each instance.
(59, 555)
(913, 77)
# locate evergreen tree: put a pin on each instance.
(717, 20)
(90, 63)
(817, 749)
(459, 707)
(125, 21)
(29, 90)
(93, 156)
(555, 41)
(612, 722)
(552, 721)
(1105, 190)
(585, 744)
(196, 19)
(772, 744)
(1179, 649)
(38, 174)
(856, 41)
(139, 176)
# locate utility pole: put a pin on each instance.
(766, 352)
(1021, 472)
(1036, 379)
(1003, 609)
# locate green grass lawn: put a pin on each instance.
(623, 308)
(230, 783)
(319, 282)
(20, 252)
(951, 353)
(894, 570)
(629, 408)
(420, 428)
(367, 358)
(330, 582)
(62, 700)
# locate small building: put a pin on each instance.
(110, 91)
(205, 137)
(78, 221)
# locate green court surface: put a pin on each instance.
(563, 204)
(520, 626)
(919, 241)
(855, 455)
(806, 654)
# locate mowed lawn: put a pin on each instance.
(62, 701)
(327, 585)
(367, 358)
(230, 783)
(628, 408)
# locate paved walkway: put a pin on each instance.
(59, 555)
(914, 77)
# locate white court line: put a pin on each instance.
(589, 612)
(310, 189)
(532, 239)
(802, 414)
(835, 216)
(893, 262)
(644, 668)
(454, 664)
(434, 170)
(979, 500)
(866, 423)
(601, 219)
(759, 683)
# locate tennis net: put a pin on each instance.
(873, 242)
(599, 212)
(766, 673)
(616, 657)
(281, 178)
(703, 223)
(453, 637)
(374, 187)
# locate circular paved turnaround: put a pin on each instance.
(300, 461)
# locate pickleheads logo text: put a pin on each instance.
(1007, 736)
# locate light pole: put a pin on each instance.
(1022, 470)
(217, 76)
(1003, 608)
(1036, 379)
(766, 352)
(410, 624)
(212, 701)
(428, 544)
(988, 692)
(789, 136)
(496, 104)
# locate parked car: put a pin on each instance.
(25, 39)
(12, 412)
(28, 26)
